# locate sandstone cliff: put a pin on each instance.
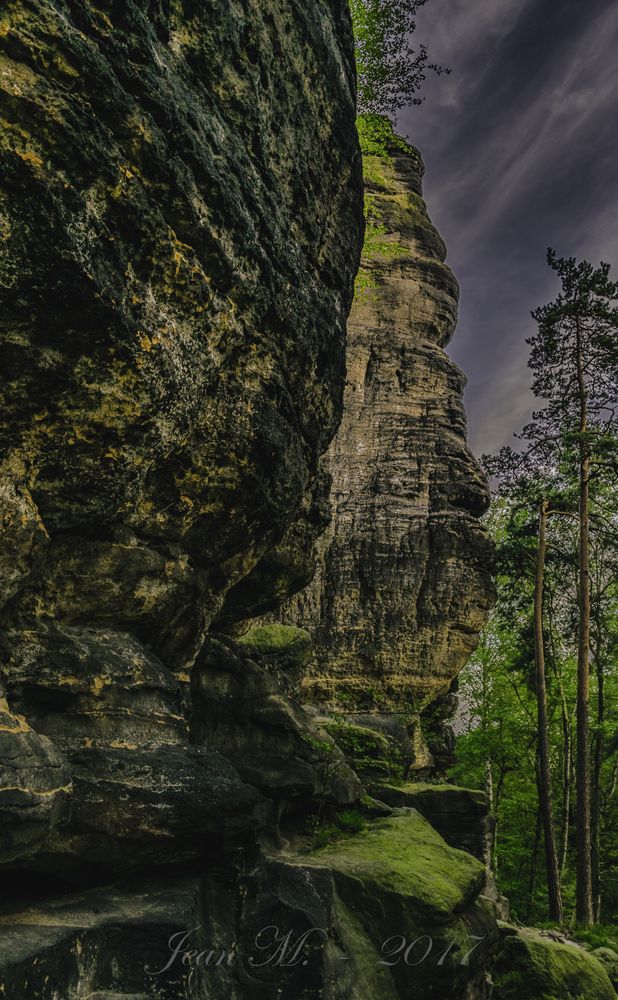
(181, 221)
(404, 579)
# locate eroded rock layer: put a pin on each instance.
(403, 585)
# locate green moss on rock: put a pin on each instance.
(282, 646)
(404, 855)
(609, 960)
(269, 640)
(532, 966)
(400, 878)
(367, 750)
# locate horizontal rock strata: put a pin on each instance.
(404, 579)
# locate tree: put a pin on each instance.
(544, 776)
(390, 71)
(574, 358)
(528, 488)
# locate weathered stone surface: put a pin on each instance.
(309, 926)
(532, 966)
(85, 686)
(35, 788)
(181, 219)
(100, 943)
(282, 647)
(403, 585)
(243, 708)
(285, 932)
(404, 885)
(166, 317)
(152, 804)
(460, 815)
(21, 530)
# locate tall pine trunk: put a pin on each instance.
(584, 912)
(596, 783)
(489, 841)
(534, 861)
(566, 781)
(544, 770)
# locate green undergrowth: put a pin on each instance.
(599, 936)
(344, 824)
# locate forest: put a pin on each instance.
(541, 689)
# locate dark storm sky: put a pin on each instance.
(521, 148)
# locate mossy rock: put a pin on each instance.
(609, 960)
(368, 751)
(460, 815)
(402, 881)
(532, 966)
(283, 646)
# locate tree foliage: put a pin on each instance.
(390, 70)
(567, 466)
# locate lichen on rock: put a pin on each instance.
(181, 220)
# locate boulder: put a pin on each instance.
(533, 966)
(609, 960)
(420, 903)
(460, 815)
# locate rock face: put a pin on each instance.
(181, 219)
(417, 896)
(403, 585)
(225, 935)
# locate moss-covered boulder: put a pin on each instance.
(609, 960)
(533, 966)
(281, 646)
(460, 815)
(419, 901)
(367, 750)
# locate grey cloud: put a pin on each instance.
(521, 147)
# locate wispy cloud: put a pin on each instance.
(521, 148)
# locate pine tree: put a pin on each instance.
(574, 359)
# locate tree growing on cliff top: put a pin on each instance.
(390, 71)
